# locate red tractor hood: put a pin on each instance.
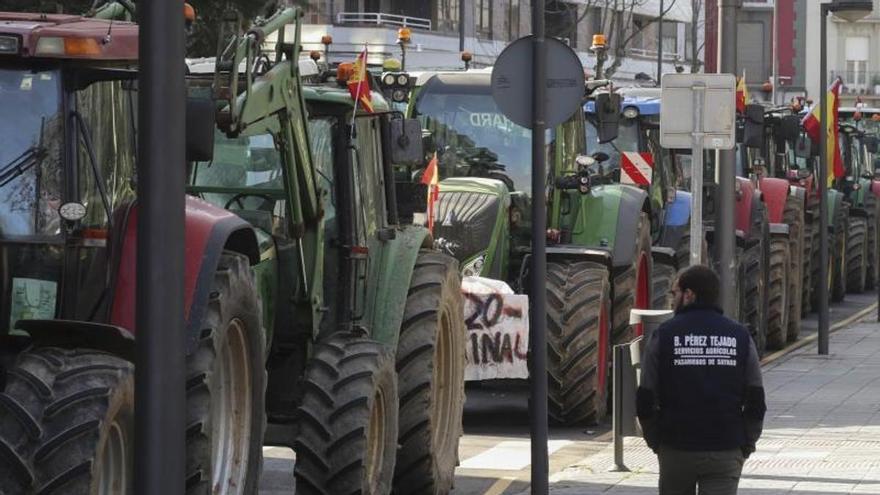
(105, 41)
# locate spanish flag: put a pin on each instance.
(812, 127)
(359, 83)
(431, 178)
(742, 94)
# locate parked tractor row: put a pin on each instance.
(319, 317)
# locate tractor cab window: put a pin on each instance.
(245, 176)
(627, 141)
(31, 139)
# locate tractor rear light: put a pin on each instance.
(77, 47)
(9, 45)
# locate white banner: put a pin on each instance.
(497, 323)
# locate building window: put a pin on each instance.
(484, 18)
(447, 15)
(513, 20)
(856, 63)
(670, 38)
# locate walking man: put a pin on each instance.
(701, 397)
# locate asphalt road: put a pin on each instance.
(494, 451)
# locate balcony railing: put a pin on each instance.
(857, 83)
(380, 19)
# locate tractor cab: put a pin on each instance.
(67, 163)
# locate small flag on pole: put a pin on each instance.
(742, 94)
(812, 127)
(359, 83)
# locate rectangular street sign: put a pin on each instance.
(679, 121)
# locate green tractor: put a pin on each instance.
(599, 233)
(314, 315)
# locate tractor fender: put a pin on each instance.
(395, 271)
(745, 205)
(835, 204)
(608, 218)
(80, 335)
(857, 212)
(580, 253)
(664, 255)
(875, 187)
(209, 231)
(677, 221)
(775, 192)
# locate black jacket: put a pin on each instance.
(701, 387)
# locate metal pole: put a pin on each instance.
(461, 26)
(160, 401)
(617, 411)
(823, 183)
(699, 91)
(775, 80)
(660, 44)
(537, 294)
(725, 237)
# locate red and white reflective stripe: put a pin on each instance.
(636, 168)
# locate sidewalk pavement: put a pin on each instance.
(821, 431)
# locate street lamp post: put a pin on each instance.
(660, 44)
(850, 10)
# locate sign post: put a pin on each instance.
(549, 74)
(710, 102)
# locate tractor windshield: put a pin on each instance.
(30, 152)
(473, 138)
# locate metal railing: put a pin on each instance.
(380, 19)
(648, 53)
(858, 82)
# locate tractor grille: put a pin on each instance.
(464, 222)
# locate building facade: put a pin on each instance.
(440, 28)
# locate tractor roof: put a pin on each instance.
(459, 83)
(341, 96)
(61, 36)
(646, 105)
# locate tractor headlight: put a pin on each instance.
(474, 267)
(9, 45)
(388, 79)
(403, 80)
(630, 112)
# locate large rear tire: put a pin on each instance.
(578, 305)
(430, 370)
(67, 424)
(793, 216)
(837, 255)
(632, 286)
(751, 305)
(777, 317)
(662, 278)
(348, 419)
(871, 206)
(226, 387)
(856, 254)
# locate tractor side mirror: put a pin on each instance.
(404, 139)
(753, 130)
(200, 114)
(607, 116)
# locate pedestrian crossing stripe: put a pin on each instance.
(636, 168)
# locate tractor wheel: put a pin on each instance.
(226, 387)
(632, 286)
(793, 216)
(683, 251)
(661, 284)
(855, 254)
(777, 317)
(67, 424)
(811, 260)
(751, 289)
(578, 305)
(430, 370)
(871, 206)
(837, 256)
(347, 441)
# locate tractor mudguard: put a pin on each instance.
(80, 334)
(746, 202)
(209, 231)
(608, 218)
(875, 187)
(775, 191)
(664, 255)
(780, 229)
(580, 253)
(677, 221)
(857, 212)
(835, 203)
(395, 272)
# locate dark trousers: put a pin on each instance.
(715, 473)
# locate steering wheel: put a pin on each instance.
(237, 199)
